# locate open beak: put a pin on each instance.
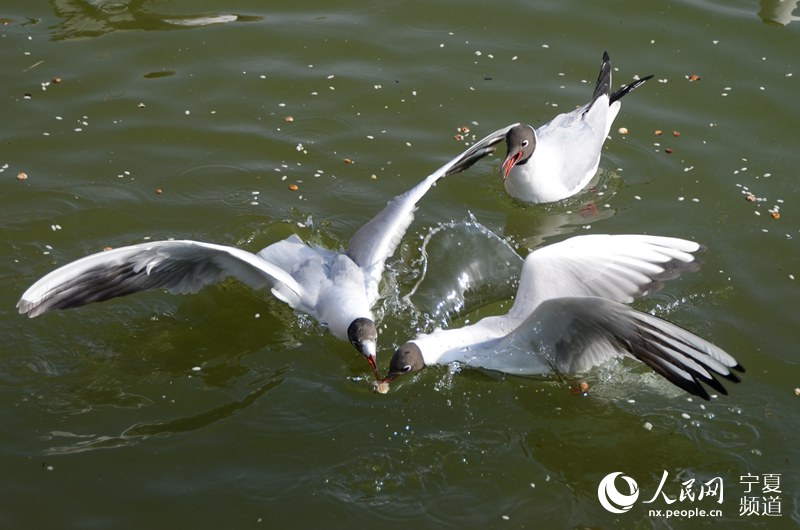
(510, 162)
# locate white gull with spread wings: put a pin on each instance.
(338, 289)
(569, 315)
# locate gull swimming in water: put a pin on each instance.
(569, 315)
(558, 159)
(338, 289)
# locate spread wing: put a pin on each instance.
(576, 333)
(616, 267)
(180, 267)
(374, 242)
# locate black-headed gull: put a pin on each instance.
(570, 315)
(336, 288)
(558, 159)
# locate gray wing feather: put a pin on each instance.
(575, 334)
(180, 267)
(617, 267)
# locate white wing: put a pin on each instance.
(575, 334)
(374, 242)
(616, 267)
(177, 266)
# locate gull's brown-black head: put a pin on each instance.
(520, 144)
(363, 335)
(406, 359)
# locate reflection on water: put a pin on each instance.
(144, 430)
(533, 225)
(531, 229)
(93, 18)
(778, 12)
(530, 226)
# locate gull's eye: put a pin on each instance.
(407, 368)
(525, 143)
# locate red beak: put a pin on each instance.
(371, 361)
(510, 162)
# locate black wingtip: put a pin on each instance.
(630, 87)
(469, 160)
(603, 85)
(664, 368)
(730, 376)
(662, 346)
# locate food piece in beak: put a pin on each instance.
(381, 386)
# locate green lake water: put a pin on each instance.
(226, 409)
